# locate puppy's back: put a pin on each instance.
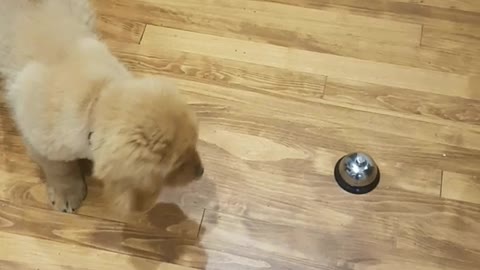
(41, 30)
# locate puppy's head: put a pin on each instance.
(144, 137)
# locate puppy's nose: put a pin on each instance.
(200, 171)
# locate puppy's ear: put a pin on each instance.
(132, 154)
(156, 142)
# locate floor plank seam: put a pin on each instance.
(421, 35)
(201, 223)
(441, 183)
(324, 87)
(143, 33)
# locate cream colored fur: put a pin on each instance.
(63, 84)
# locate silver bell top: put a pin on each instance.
(358, 169)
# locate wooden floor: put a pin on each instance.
(283, 88)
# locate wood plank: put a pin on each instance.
(455, 39)
(311, 62)
(465, 5)
(123, 30)
(408, 11)
(345, 136)
(256, 15)
(34, 253)
(455, 234)
(404, 101)
(76, 232)
(348, 35)
(369, 245)
(300, 86)
(403, 10)
(67, 233)
(461, 187)
(460, 41)
(269, 246)
(223, 256)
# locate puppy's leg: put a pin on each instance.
(65, 184)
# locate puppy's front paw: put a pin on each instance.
(67, 198)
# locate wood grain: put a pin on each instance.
(458, 40)
(378, 248)
(52, 240)
(182, 15)
(405, 101)
(461, 187)
(302, 86)
(308, 182)
(461, 41)
(362, 37)
(45, 254)
(312, 62)
(403, 10)
(120, 29)
(466, 5)
(283, 89)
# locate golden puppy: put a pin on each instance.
(71, 100)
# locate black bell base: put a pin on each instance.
(351, 189)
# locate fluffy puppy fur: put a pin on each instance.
(71, 99)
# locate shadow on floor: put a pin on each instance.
(179, 244)
(171, 236)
